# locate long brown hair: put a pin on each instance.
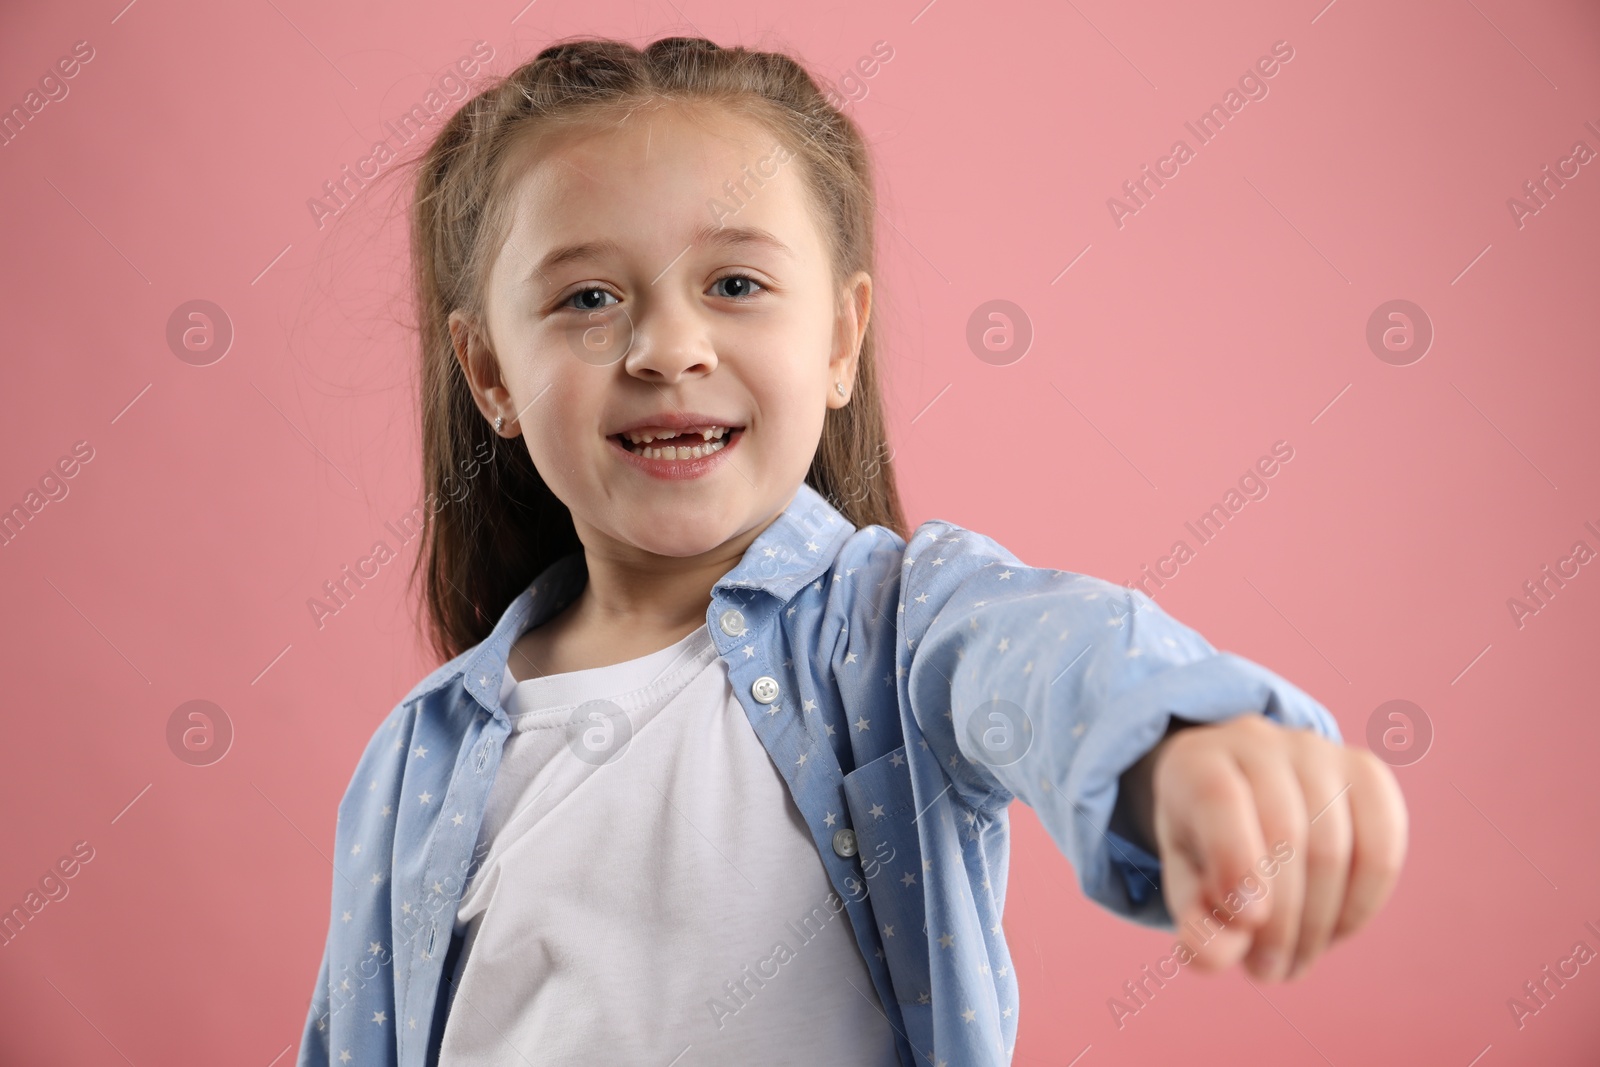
(486, 544)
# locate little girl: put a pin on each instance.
(718, 769)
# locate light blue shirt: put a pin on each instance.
(907, 692)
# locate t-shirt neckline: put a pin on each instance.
(616, 681)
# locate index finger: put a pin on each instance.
(1218, 834)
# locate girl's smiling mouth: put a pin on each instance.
(670, 444)
(671, 453)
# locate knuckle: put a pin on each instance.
(1367, 766)
(1296, 839)
(1353, 920)
(1306, 737)
(1327, 850)
(1376, 776)
(1217, 789)
(1256, 722)
(1377, 874)
(1386, 864)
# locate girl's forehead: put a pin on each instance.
(654, 173)
(650, 145)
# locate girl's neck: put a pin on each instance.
(649, 594)
(633, 603)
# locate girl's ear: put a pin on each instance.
(480, 368)
(855, 309)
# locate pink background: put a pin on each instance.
(1228, 314)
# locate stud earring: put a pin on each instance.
(839, 388)
(499, 421)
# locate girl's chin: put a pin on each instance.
(676, 533)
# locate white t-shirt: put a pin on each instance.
(632, 910)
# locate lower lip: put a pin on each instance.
(678, 469)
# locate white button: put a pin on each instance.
(764, 689)
(844, 842)
(732, 622)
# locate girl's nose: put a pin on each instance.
(669, 343)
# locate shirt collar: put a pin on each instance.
(799, 545)
(787, 556)
(553, 590)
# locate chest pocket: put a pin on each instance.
(882, 813)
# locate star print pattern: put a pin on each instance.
(878, 727)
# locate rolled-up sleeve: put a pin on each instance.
(1046, 685)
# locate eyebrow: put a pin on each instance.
(705, 235)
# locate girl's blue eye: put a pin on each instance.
(585, 305)
(738, 278)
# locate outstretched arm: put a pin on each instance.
(1188, 787)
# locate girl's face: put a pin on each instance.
(660, 271)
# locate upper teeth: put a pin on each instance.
(644, 437)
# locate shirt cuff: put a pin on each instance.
(1140, 870)
(1113, 870)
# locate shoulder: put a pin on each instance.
(883, 550)
(440, 677)
(402, 719)
(944, 566)
(378, 772)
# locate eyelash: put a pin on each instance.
(567, 303)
